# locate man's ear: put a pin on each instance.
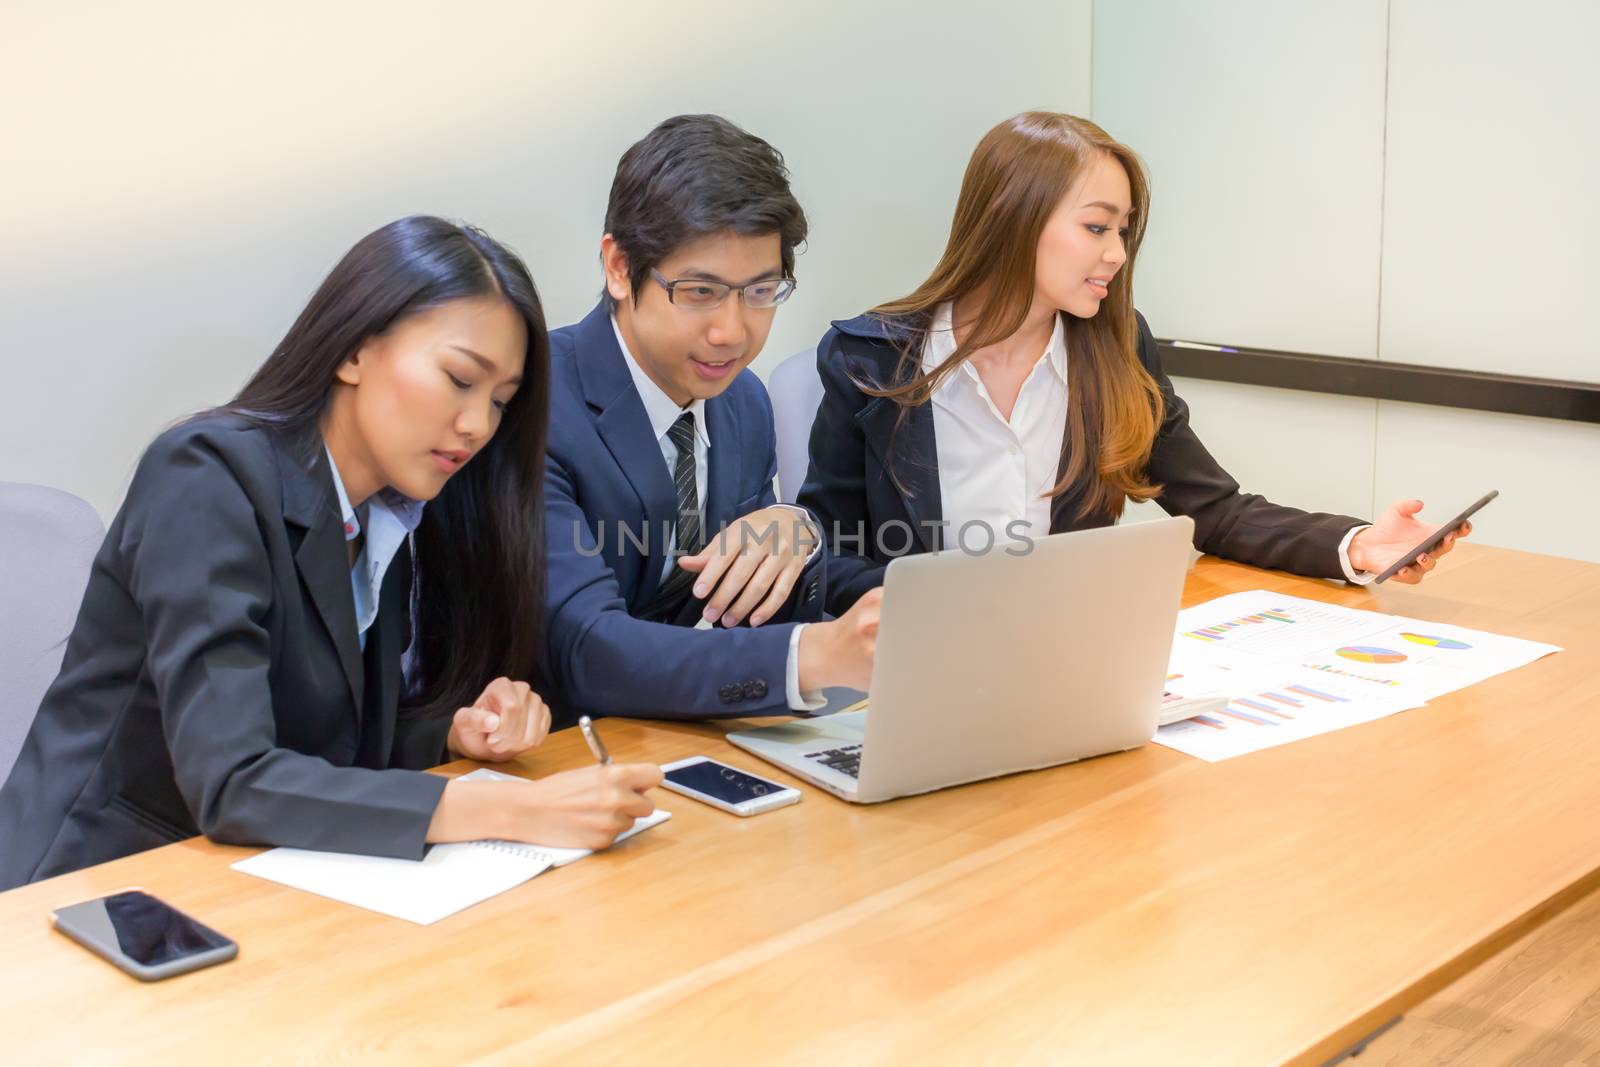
(615, 262)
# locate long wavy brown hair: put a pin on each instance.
(1016, 178)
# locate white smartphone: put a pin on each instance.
(147, 937)
(725, 787)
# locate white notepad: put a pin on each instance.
(448, 879)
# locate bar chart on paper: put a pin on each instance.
(1221, 631)
(1268, 708)
(1279, 627)
(1274, 708)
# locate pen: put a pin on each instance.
(595, 744)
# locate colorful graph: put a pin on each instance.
(1269, 706)
(1317, 694)
(1329, 669)
(1219, 632)
(1370, 654)
(1436, 642)
(1233, 711)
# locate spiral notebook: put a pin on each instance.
(446, 880)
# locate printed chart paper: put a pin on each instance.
(1295, 668)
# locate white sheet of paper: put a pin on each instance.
(446, 880)
(1294, 668)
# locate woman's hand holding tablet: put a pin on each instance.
(1398, 546)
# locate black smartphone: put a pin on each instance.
(148, 938)
(1436, 537)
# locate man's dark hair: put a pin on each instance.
(692, 176)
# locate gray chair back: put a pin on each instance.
(48, 539)
(796, 391)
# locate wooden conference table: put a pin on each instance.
(1144, 908)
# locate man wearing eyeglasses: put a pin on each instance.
(677, 586)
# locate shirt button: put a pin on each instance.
(1011, 451)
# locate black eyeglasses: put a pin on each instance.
(705, 295)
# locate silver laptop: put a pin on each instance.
(992, 664)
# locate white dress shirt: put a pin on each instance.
(995, 474)
(391, 518)
(663, 411)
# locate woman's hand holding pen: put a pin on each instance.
(505, 721)
(585, 808)
(588, 808)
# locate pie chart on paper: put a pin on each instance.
(1371, 654)
(1436, 642)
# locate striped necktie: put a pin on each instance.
(690, 529)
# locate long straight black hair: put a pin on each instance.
(480, 548)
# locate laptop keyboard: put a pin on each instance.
(845, 760)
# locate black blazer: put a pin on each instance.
(849, 489)
(214, 683)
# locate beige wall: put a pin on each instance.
(1409, 180)
(180, 174)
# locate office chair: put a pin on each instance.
(796, 390)
(48, 539)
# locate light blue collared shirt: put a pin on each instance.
(391, 518)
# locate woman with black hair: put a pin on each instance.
(374, 492)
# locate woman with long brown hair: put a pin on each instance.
(1016, 392)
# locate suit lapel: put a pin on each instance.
(624, 426)
(914, 461)
(323, 561)
(724, 462)
(873, 345)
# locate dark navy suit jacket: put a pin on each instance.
(610, 507)
(214, 681)
(849, 490)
